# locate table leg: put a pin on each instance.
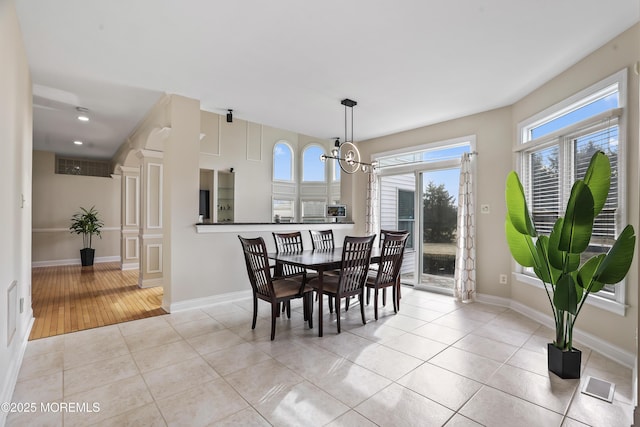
(320, 299)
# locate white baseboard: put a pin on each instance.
(150, 283)
(73, 261)
(603, 347)
(208, 301)
(11, 372)
(132, 266)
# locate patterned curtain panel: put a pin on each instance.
(372, 203)
(465, 273)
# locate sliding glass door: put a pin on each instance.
(419, 194)
(439, 208)
(398, 212)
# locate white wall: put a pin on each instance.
(15, 186)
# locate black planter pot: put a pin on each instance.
(86, 256)
(565, 364)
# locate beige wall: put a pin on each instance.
(495, 133)
(622, 52)
(15, 186)
(198, 266)
(492, 130)
(56, 198)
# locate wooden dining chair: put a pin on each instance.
(354, 265)
(274, 291)
(388, 273)
(373, 270)
(289, 243)
(322, 239)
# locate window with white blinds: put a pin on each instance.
(313, 210)
(406, 213)
(555, 150)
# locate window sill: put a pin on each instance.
(593, 300)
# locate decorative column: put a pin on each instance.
(151, 221)
(130, 218)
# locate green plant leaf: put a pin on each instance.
(520, 245)
(556, 256)
(87, 223)
(578, 220)
(586, 273)
(579, 290)
(616, 263)
(565, 297)
(517, 206)
(544, 273)
(598, 179)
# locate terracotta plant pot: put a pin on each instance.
(565, 364)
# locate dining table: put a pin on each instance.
(319, 260)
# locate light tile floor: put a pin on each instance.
(437, 362)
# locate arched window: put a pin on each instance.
(313, 169)
(282, 162)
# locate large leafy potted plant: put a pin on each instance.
(88, 223)
(556, 259)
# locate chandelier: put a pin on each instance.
(346, 153)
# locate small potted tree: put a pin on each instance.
(88, 223)
(556, 259)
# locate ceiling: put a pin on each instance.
(287, 63)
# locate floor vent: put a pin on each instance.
(599, 388)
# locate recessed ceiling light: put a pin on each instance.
(77, 142)
(83, 114)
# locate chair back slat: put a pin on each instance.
(385, 233)
(289, 243)
(356, 257)
(322, 239)
(391, 258)
(257, 261)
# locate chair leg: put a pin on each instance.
(364, 321)
(305, 308)
(384, 297)
(275, 310)
(375, 303)
(330, 304)
(338, 311)
(310, 310)
(255, 312)
(368, 295)
(394, 294)
(346, 304)
(288, 306)
(398, 296)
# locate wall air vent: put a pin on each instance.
(84, 167)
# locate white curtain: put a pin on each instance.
(372, 203)
(465, 274)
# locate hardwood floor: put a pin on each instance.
(73, 298)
